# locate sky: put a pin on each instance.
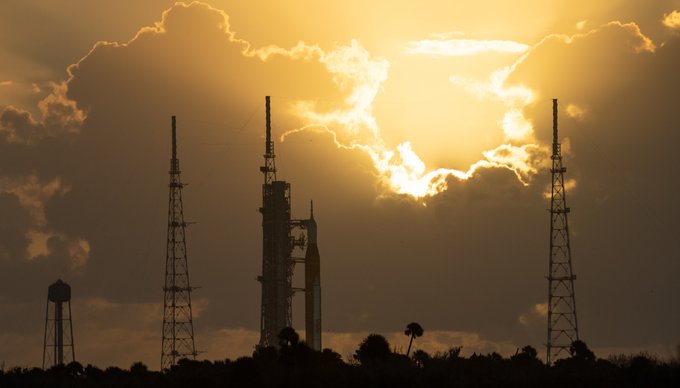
(421, 130)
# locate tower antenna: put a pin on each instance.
(562, 322)
(178, 326)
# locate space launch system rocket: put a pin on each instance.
(312, 287)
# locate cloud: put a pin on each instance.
(38, 243)
(79, 252)
(537, 313)
(672, 20)
(516, 127)
(576, 112)
(402, 171)
(356, 73)
(462, 47)
(59, 116)
(33, 196)
(569, 186)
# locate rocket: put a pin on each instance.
(312, 286)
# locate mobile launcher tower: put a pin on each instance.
(281, 238)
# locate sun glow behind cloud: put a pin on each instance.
(400, 169)
(462, 47)
(360, 76)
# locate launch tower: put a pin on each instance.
(562, 322)
(278, 243)
(178, 327)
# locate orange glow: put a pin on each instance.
(462, 47)
(401, 169)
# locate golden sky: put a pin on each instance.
(420, 129)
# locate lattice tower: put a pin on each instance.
(562, 321)
(178, 327)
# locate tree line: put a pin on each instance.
(373, 364)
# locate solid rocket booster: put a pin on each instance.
(312, 287)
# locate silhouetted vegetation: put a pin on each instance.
(294, 364)
(413, 330)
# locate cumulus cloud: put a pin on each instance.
(59, 116)
(33, 196)
(401, 170)
(672, 20)
(576, 112)
(537, 313)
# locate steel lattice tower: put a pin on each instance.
(562, 322)
(277, 246)
(178, 327)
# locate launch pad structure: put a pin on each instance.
(281, 238)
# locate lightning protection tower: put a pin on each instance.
(562, 322)
(178, 327)
(58, 326)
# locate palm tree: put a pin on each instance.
(413, 330)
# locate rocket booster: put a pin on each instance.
(312, 287)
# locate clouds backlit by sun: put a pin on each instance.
(359, 77)
(462, 47)
(672, 20)
(399, 168)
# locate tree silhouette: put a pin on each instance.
(300, 366)
(528, 354)
(413, 330)
(580, 351)
(421, 357)
(139, 368)
(372, 349)
(288, 337)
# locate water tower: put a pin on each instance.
(58, 327)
